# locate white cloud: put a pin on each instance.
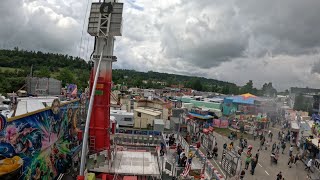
(267, 40)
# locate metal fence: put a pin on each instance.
(230, 162)
(210, 170)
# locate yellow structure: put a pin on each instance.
(91, 176)
(144, 117)
(146, 111)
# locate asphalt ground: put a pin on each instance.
(265, 170)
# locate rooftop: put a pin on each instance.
(151, 112)
(120, 112)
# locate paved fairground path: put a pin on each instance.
(265, 170)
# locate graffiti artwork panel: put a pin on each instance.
(38, 146)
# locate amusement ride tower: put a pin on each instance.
(105, 22)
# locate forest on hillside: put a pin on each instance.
(16, 65)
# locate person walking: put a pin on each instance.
(162, 149)
(279, 176)
(271, 135)
(257, 155)
(261, 143)
(278, 148)
(296, 158)
(290, 150)
(230, 147)
(240, 151)
(283, 146)
(254, 135)
(298, 146)
(225, 146)
(291, 160)
(215, 149)
(248, 160)
(309, 165)
(274, 146)
(242, 174)
(253, 165)
(266, 146)
(261, 135)
(167, 139)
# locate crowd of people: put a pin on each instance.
(285, 143)
(181, 157)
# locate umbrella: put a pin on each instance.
(250, 147)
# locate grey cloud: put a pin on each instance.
(280, 27)
(196, 37)
(292, 24)
(35, 25)
(316, 67)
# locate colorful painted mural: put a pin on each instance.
(38, 145)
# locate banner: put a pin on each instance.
(40, 145)
(224, 124)
(216, 123)
(219, 123)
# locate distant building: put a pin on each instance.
(146, 111)
(144, 117)
(134, 91)
(316, 104)
(179, 86)
(162, 83)
(296, 90)
(43, 86)
(306, 92)
(149, 93)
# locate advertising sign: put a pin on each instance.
(216, 123)
(219, 123)
(224, 124)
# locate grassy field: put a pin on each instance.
(226, 132)
(8, 69)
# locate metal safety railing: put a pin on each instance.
(209, 167)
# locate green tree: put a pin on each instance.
(137, 82)
(197, 85)
(286, 92)
(43, 72)
(66, 76)
(268, 90)
(248, 88)
(83, 79)
(225, 90)
(234, 89)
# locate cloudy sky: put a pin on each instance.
(231, 40)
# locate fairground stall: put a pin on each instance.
(243, 103)
(245, 121)
(199, 118)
